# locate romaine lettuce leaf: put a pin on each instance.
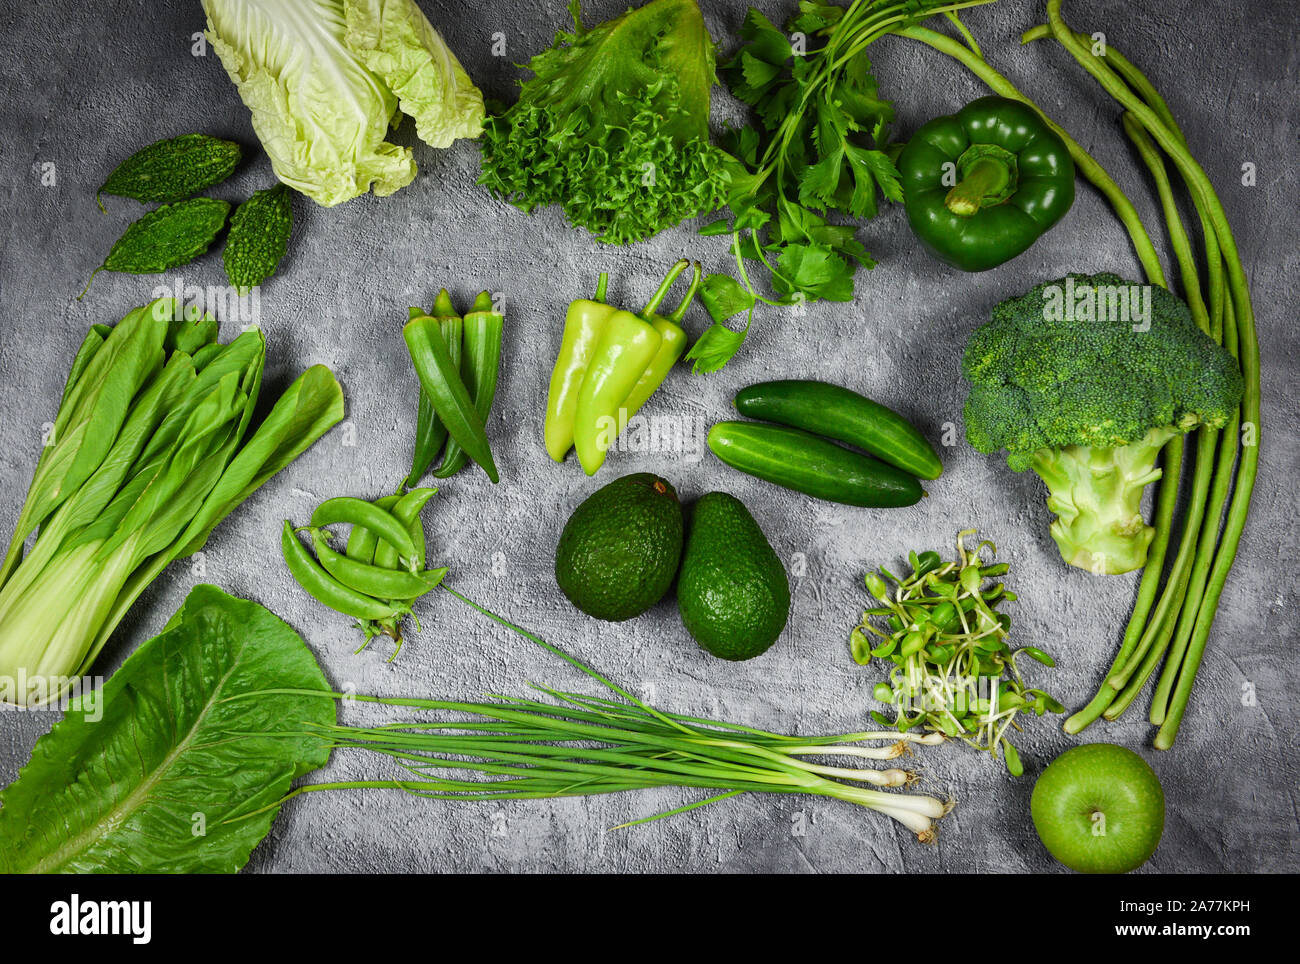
(325, 79)
(159, 770)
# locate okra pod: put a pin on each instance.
(483, 330)
(440, 376)
(430, 432)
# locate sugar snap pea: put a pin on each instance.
(406, 510)
(358, 512)
(326, 589)
(362, 541)
(373, 580)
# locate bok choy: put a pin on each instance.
(147, 454)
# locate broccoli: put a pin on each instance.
(1084, 380)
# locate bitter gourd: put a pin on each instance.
(172, 170)
(259, 237)
(165, 238)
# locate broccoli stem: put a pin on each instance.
(1096, 494)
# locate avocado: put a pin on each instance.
(732, 590)
(619, 551)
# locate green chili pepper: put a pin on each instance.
(362, 542)
(483, 330)
(984, 184)
(673, 343)
(430, 432)
(326, 589)
(440, 376)
(583, 325)
(358, 512)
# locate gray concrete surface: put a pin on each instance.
(86, 83)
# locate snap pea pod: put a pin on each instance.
(406, 510)
(327, 590)
(362, 542)
(481, 362)
(430, 432)
(372, 580)
(358, 512)
(441, 379)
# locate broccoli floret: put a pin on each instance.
(1084, 380)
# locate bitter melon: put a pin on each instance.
(259, 237)
(167, 237)
(172, 170)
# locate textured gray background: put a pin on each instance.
(88, 85)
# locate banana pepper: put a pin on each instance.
(982, 185)
(609, 364)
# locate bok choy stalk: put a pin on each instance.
(146, 456)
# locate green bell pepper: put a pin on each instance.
(982, 185)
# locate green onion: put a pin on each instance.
(569, 744)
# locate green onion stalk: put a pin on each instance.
(1174, 629)
(147, 454)
(512, 748)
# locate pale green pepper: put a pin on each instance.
(626, 347)
(671, 348)
(583, 326)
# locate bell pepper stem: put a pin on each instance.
(987, 176)
(602, 287)
(657, 298)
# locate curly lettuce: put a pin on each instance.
(325, 79)
(613, 126)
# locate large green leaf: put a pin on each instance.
(181, 750)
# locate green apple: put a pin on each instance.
(1099, 809)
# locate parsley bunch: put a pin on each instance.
(820, 147)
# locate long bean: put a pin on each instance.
(1225, 314)
(1248, 344)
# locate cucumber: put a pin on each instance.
(846, 416)
(813, 465)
